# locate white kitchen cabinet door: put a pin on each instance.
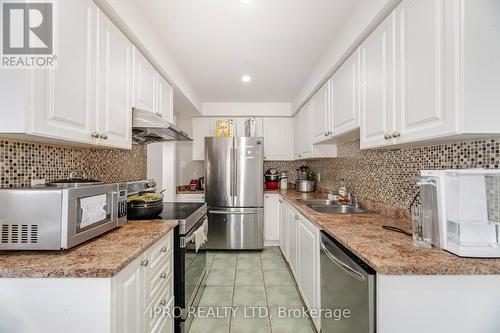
(164, 99)
(292, 251)
(421, 55)
(114, 86)
(63, 103)
(308, 263)
(128, 305)
(201, 129)
(377, 86)
(271, 219)
(144, 83)
(165, 323)
(240, 126)
(345, 97)
(296, 135)
(305, 130)
(277, 139)
(283, 227)
(321, 114)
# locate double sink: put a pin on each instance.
(332, 207)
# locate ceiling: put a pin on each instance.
(276, 42)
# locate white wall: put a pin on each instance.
(361, 23)
(247, 109)
(127, 15)
(187, 169)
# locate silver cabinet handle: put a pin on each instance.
(387, 136)
(103, 136)
(326, 133)
(163, 249)
(296, 217)
(396, 135)
(145, 262)
(163, 275)
(159, 114)
(95, 135)
(343, 266)
(163, 302)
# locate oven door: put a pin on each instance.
(91, 211)
(194, 266)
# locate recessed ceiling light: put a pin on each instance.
(246, 78)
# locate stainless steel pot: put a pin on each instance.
(305, 185)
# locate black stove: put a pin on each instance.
(180, 210)
(187, 214)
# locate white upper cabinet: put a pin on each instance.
(240, 126)
(63, 98)
(164, 106)
(321, 115)
(344, 91)
(201, 129)
(87, 99)
(304, 143)
(421, 71)
(446, 75)
(114, 86)
(377, 86)
(144, 83)
(277, 139)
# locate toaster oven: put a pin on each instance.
(54, 218)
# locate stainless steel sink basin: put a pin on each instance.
(332, 207)
(339, 209)
(320, 202)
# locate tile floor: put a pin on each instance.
(239, 281)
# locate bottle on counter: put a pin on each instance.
(343, 193)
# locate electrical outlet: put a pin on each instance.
(37, 182)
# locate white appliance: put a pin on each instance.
(465, 209)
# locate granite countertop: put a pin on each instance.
(101, 257)
(385, 251)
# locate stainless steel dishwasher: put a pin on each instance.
(347, 289)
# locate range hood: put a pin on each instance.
(149, 127)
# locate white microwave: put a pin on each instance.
(54, 218)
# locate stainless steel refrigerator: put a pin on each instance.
(234, 192)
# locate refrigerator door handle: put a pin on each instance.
(235, 174)
(231, 171)
(225, 212)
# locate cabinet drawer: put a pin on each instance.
(150, 317)
(156, 281)
(166, 323)
(157, 253)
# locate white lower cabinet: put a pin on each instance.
(145, 284)
(299, 243)
(119, 304)
(283, 226)
(308, 264)
(292, 249)
(271, 219)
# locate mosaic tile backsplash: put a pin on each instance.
(20, 162)
(385, 176)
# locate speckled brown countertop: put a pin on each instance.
(100, 257)
(387, 252)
